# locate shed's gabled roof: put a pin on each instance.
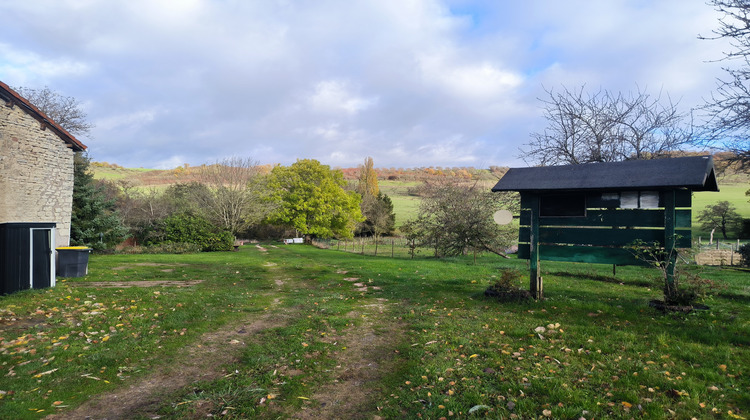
(695, 173)
(11, 98)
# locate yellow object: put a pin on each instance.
(73, 247)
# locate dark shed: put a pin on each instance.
(590, 212)
(26, 256)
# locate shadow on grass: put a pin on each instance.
(734, 297)
(602, 278)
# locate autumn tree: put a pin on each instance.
(604, 126)
(66, 111)
(729, 106)
(368, 179)
(376, 207)
(723, 216)
(310, 198)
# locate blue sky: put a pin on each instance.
(409, 82)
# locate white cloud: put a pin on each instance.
(334, 96)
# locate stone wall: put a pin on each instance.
(36, 173)
(718, 257)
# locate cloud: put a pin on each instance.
(409, 82)
(334, 96)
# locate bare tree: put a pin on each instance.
(606, 127)
(729, 106)
(456, 217)
(64, 110)
(237, 190)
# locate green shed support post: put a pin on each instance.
(669, 236)
(535, 279)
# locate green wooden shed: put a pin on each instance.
(590, 212)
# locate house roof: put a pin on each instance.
(11, 98)
(695, 173)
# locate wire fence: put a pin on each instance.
(394, 247)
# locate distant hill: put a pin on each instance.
(162, 178)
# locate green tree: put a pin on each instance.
(722, 216)
(94, 221)
(379, 216)
(310, 198)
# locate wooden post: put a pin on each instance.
(535, 280)
(393, 247)
(669, 236)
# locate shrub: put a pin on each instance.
(164, 248)
(507, 286)
(186, 228)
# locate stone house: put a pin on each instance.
(36, 166)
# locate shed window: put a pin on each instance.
(639, 200)
(568, 205)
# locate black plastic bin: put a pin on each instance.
(72, 261)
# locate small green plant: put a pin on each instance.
(684, 288)
(507, 286)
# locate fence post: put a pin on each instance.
(393, 246)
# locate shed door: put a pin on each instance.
(41, 258)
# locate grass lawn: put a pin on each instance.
(294, 330)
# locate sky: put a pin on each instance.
(411, 83)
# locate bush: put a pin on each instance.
(164, 248)
(744, 251)
(186, 228)
(507, 286)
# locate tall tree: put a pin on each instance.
(368, 179)
(66, 111)
(729, 107)
(94, 221)
(376, 207)
(310, 198)
(605, 126)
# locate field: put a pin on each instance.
(295, 331)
